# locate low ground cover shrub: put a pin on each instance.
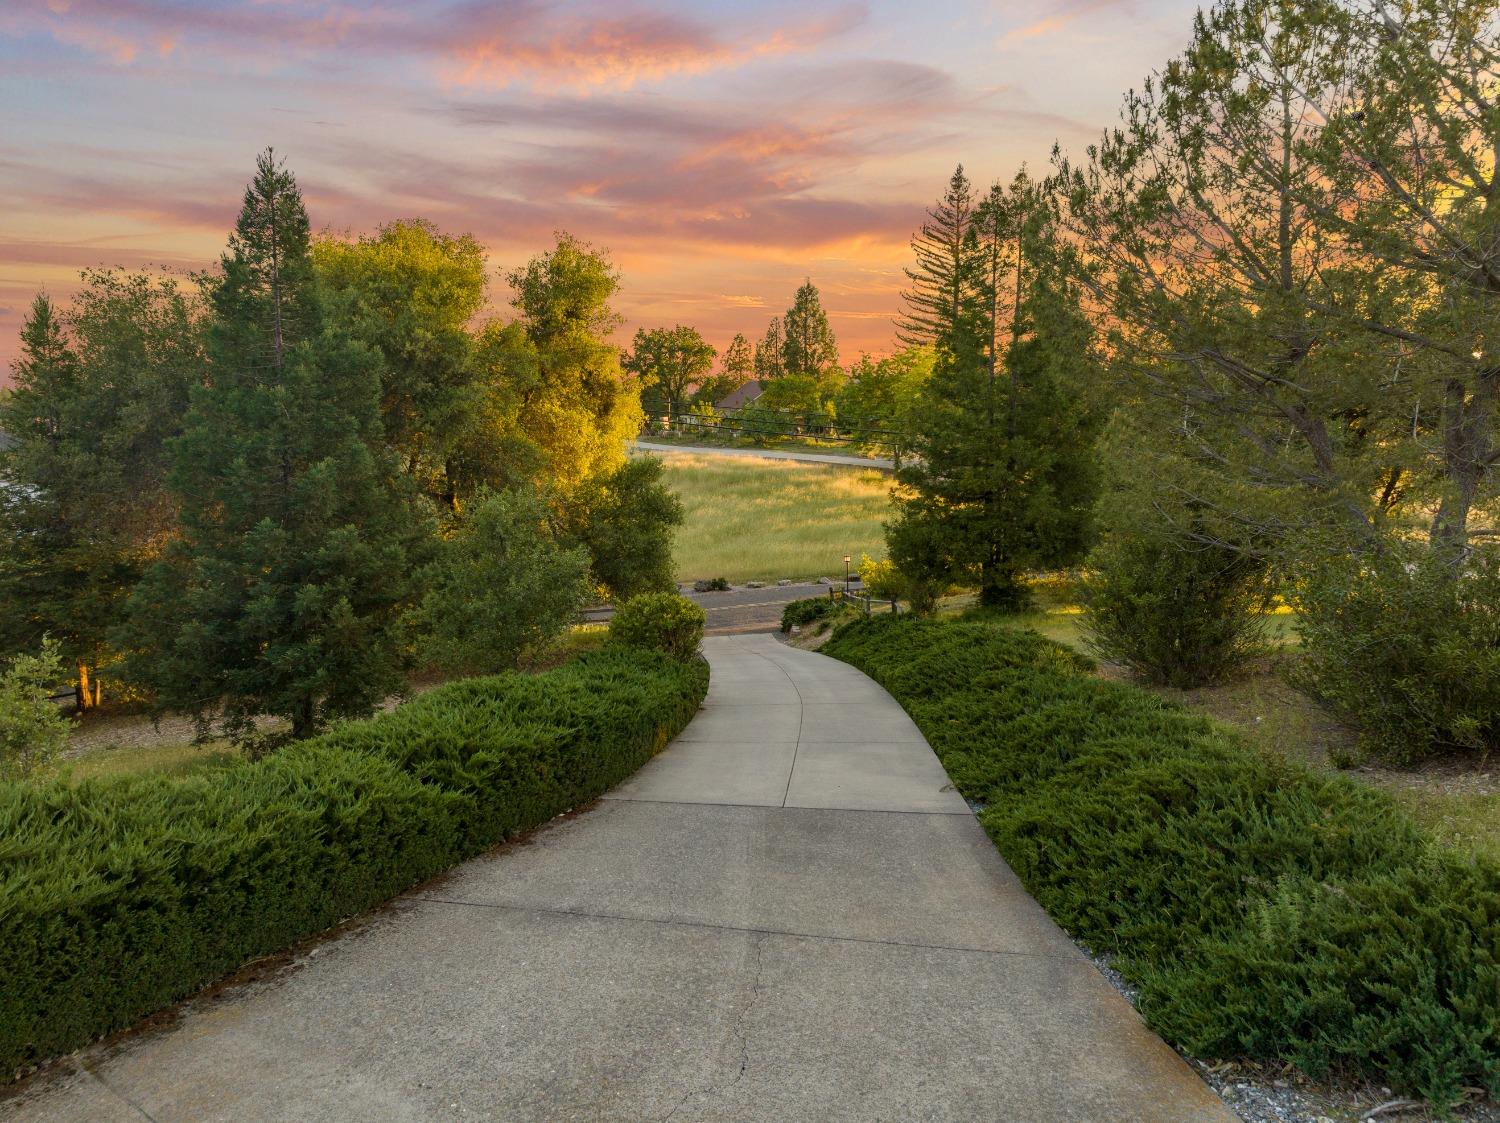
(800, 613)
(662, 622)
(1263, 909)
(121, 895)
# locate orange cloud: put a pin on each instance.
(589, 52)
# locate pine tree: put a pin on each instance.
(807, 346)
(282, 595)
(945, 274)
(736, 367)
(100, 389)
(1002, 478)
(769, 361)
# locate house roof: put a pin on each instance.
(741, 395)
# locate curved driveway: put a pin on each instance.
(787, 915)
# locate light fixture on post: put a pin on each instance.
(846, 574)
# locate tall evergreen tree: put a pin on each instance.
(807, 346)
(282, 595)
(736, 367)
(946, 269)
(1002, 478)
(100, 388)
(769, 353)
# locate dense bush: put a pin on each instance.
(1175, 612)
(501, 584)
(1406, 651)
(626, 520)
(800, 613)
(1264, 910)
(120, 896)
(659, 622)
(32, 729)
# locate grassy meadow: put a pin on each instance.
(763, 520)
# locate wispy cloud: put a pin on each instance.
(485, 43)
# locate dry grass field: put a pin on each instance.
(762, 520)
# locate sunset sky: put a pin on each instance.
(720, 151)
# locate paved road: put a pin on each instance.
(772, 454)
(740, 609)
(788, 915)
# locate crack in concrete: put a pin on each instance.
(741, 1032)
(110, 1090)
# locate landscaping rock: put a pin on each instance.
(755, 584)
(784, 582)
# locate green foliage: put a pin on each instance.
(119, 896)
(101, 389)
(880, 394)
(1406, 651)
(800, 613)
(1176, 612)
(626, 520)
(799, 401)
(668, 362)
(568, 405)
(945, 271)
(283, 592)
(1003, 476)
(736, 367)
(32, 729)
(659, 622)
(769, 363)
(409, 293)
(880, 578)
(808, 348)
(501, 584)
(1264, 910)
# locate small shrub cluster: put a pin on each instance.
(119, 896)
(712, 585)
(800, 613)
(1263, 910)
(1176, 613)
(880, 578)
(662, 622)
(32, 729)
(1406, 650)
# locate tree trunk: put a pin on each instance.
(303, 719)
(1467, 448)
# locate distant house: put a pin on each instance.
(740, 397)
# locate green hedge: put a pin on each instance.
(1263, 909)
(122, 895)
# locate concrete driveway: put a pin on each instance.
(787, 915)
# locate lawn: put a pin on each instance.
(173, 758)
(763, 520)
